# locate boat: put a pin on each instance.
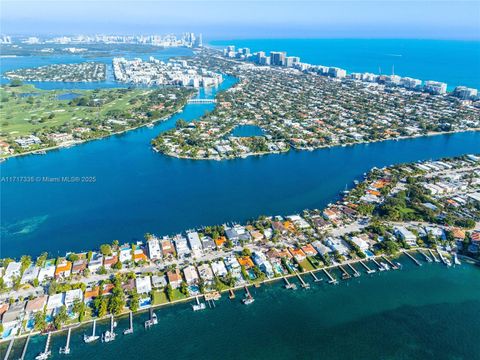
(150, 125)
(130, 329)
(109, 335)
(248, 300)
(88, 339)
(152, 321)
(455, 259)
(385, 266)
(66, 350)
(39, 152)
(199, 306)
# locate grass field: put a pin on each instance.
(26, 110)
(159, 297)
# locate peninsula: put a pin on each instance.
(428, 211)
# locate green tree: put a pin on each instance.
(134, 302)
(61, 318)
(40, 321)
(106, 249)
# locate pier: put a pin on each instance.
(332, 280)
(315, 278)
(380, 267)
(9, 349)
(46, 353)
(355, 272)
(66, 350)
(414, 260)
(288, 284)
(24, 351)
(427, 258)
(345, 274)
(369, 271)
(304, 284)
(130, 329)
(433, 255)
(232, 294)
(394, 266)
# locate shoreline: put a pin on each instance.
(244, 156)
(235, 288)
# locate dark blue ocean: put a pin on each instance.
(453, 62)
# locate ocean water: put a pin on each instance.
(453, 62)
(427, 312)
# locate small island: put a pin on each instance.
(82, 72)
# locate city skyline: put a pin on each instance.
(249, 19)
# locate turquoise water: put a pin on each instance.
(247, 131)
(453, 62)
(429, 312)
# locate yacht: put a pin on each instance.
(91, 338)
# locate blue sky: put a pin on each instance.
(246, 19)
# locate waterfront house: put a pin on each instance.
(220, 241)
(337, 244)
(125, 253)
(190, 274)
(159, 282)
(143, 285)
(95, 263)
(246, 262)
(13, 317)
(11, 273)
(298, 254)
(55, 302)
(361, 243)
(206, 273)
(218, 268)
(35, 305)
(139, 256)
(90, 294)
(299, 222)
(278, 227)
(406, 235)
(256, 235)
(154, 251)
(261, 261)
(208, 244)
(107, 289)
(167, 247)
(181, 246)
(47, 271)
(195, 243)
(63, 269)
(309, 250)
(129, 285)
(30, 274)
(237, 234)
(109, 261)
(73, 295)
(174, 278)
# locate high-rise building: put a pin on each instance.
(278, 58)
(199, 41)
(435, 87)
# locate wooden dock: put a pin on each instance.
(355, 272)
(305, 285)
(212, 295)
(433, 256)
(393, 266)
(315, 278)
(331, 279)
(380, 267)
(288, 284)
(414, 260)
(9, 349)
(232, 294)
(427, 258)
(369, 271)
(24, 351)
(345, 274)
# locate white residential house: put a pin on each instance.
(406, 235)
(181, 246)
(190, 274)
(143, 284)
(46, 272)
(72, 295)
(219, 268)
(56, 301)
(11, 272)
(206, 273)
(362, 244)
(30, 274)
(125, 254)
(154, 251)
(195, 243)
(95, 263)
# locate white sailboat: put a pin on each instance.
(88, 339)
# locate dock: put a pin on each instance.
(433, 255)
(369, 271)
(331, 279)
(9, 349)
(345, 274)
(304, 284)
(427, 258)
(232, 294)
(355, 272)
(414, 260)
(212, 295)
(315, 278)
(289, 285)
(24, 351)
(130, 329)
(380, 267)
(394, 266)
(66, 350)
